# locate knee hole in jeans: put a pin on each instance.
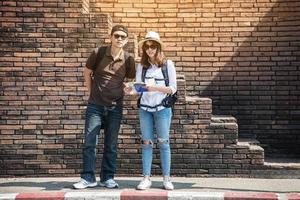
(163, 143)
(147, 142)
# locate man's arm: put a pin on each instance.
(87, 78)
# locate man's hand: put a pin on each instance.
(128, 89)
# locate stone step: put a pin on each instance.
(248, 141)
(286, 163)
(223, 119)
(253, 146)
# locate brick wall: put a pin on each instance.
(44, 45)
(242, 54)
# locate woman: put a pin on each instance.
(152, 114)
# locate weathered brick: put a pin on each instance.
(235, 53)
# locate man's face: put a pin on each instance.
(119, 39)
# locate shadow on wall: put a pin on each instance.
(260, 84)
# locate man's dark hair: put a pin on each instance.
(119, 28)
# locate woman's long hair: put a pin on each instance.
(159, 56)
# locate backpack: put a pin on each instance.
(170, 99)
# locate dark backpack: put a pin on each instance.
(170, 99)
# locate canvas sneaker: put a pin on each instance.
(168, 185)
(110, 183)
(144, 184)
(84, 184)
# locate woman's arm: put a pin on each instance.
(162, 89)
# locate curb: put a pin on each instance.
(149, 195)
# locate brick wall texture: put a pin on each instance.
(242, 54)
(234, 58)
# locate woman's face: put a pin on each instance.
(150, 48)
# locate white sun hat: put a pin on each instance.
(151, 35)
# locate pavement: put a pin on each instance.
(60, 188)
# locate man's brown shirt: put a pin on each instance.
(109, 75)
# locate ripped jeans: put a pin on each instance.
(161, 121)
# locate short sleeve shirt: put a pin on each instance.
(154, 76)
(108, 77)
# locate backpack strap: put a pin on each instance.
(164, 70)
(100, 55)
(128, 62)
(144, 70)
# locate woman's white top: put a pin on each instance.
(155, 77)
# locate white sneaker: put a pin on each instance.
(110, 183)
(168, 185)
(84, 184)
(144, 184)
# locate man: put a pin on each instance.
(104, 74)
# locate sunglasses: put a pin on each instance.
(117, 36)
(152, 46)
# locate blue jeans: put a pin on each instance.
(161, 121)
(111, 118)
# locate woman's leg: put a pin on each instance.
(162, 120)
(146, 124)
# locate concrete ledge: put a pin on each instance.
(8, 196)
(186, 188)
(103, 195)
(149, 195)
(195, 195)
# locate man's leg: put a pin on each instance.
(92, 129)
(113, 117)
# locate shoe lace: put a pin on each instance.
(145, 181)
(111, 181)
(84, 182)
(168, 182)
